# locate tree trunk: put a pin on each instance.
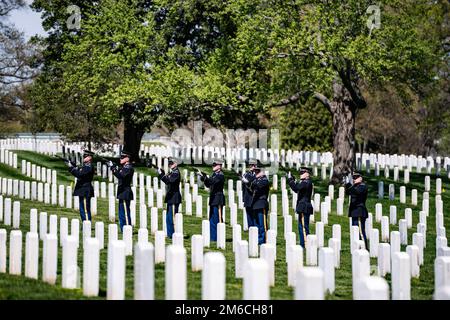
(132, 134)
(343, 114)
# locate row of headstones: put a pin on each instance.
(8, 157)
(402, 161)
(51, 147)
(41, 146)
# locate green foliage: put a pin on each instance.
(311, 129)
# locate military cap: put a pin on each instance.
(172, 160)
(125, 154)
(217, 161)
(304, 169)
(356, 175)
(252, 161)
(87, 153)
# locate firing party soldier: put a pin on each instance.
(124, 191)
(249, 176)
(303, 208)
(216, 197)
(260, 192)
(357, 209)
(83, 188)
(173, 195)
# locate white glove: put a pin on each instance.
(69, 164)
(159, 171)
(244, 180)
(289, 175)
(109, 164)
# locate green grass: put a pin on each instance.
(19, 287)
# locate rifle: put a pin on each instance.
(65, 160)
(204, 175)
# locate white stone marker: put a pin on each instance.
(272, 239)
(413, 252)
(418, 241)
(7, 212)
(360, 269)
(385, 229)
(197, 252)
(241, 257)
(378, 212)
(401, 276)
(128, 239)
(142, 235)
(221, 236)
(402, 194)
(3, 237)
(256, 280)
(33, 220)
(116, 271)
(422, 228)
(100, 234)
(294, 262)
(337, 233)
(69, 263)
(160, 250)
(335, 245)
(373, 288)
(16, 215)
(408, 217)
(395, 242)
(287, 225)
(91, 267)
(154, 220)
(354, 238)
(237, 233)
(441, 273)
(32, 255)
(144, 271)
(15, 252)
(403, 227)
(384, 259)
(320, 234)
(393, 215)
(175, 273)
(311, 250)
(253, 242)
(414, 197)
(178, 223)
(374, 242)
(427, 183)
(42, 225)
(75, 229)
(177, 239)
(213, 276)
(326, 263)
(205, 233)
(268, 254)
(438, 186)
(310, 284)
(340, 206)
(50, 258)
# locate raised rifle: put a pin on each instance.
(65, 160)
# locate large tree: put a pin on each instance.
(289, 51)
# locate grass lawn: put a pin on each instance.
(19, 287)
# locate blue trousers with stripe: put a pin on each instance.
(85, 208)
(251, 217)
(124, 213)
(215, 217)
(172, 209)
(261, 224)
(361, 223)
(303, 227)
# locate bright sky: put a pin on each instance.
(27, 21)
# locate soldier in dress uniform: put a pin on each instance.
(249, 176)
(83, 188)
(357, 209)
(124, 192)
(259, 188)
(216, 197)
(303, 208)
(173, 195)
